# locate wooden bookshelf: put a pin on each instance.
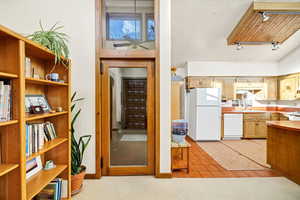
(11, 122)
(44, 82)
(6, 168)
(42, 179)
(14, 48)
(47, 147)
(7, 75)
(30, 117)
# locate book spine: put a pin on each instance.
(1, 99)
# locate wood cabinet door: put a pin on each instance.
(260, 129)
(199, 82)
(271, 88)
(249, 129)
(288, 88)
(228, 88)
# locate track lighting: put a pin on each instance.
(239, 46)
(275, 46)
(264, 16)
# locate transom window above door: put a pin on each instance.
(124, 26)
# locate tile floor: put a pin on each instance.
(204, 166)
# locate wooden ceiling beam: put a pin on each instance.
(278, 28)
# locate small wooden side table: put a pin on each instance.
(178, 156)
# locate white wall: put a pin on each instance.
(78, 17)
(232, 68)
(165, 86)
(290, 63)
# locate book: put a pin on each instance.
(28, 67)
(5, 100)
(52, 191)
(36, 136)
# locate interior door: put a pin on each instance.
(127, 117)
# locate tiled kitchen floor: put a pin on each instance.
(204, 166)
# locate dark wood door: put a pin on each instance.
(134, 103)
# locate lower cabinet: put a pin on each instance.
(255, 125)
(255, 129)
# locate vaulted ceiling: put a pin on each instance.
(200, 29)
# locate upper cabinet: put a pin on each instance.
(288, 86)
(270, 84)
(128, 25)
(199, 82)
(266, 22)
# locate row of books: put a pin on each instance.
(5, 101)
(56, 190)
(37, 134)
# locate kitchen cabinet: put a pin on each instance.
(199, 82)
(288, 86)
(255, 125)
(227, 86)
(271, 88)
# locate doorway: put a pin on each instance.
(127, 117)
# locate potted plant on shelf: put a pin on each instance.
(78, 149)
(55, 41)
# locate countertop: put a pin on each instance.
(252, 112)
(287, 125)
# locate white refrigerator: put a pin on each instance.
(205, 114)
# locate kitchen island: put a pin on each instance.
(283, 148)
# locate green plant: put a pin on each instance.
(53, 40)
(78, 146)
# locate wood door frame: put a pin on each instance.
(106, 113)
(108, 54)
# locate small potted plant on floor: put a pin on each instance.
(78, 148)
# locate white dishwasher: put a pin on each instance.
(233, 126)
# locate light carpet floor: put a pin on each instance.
(255, 150)
(149, 188)
(228, 158)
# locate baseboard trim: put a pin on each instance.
(164, 175)
(90, 176)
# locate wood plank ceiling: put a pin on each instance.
(278, 28)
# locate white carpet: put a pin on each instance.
(149, 188)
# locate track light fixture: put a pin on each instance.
(264, 16)
(275, 46)
(239, 46)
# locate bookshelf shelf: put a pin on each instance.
(44, 82)
(11, 122)
(8, 75)
(47, 147)
(31, 117)
(6, 168)
(41, 180)
(17, 55)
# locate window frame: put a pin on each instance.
(125, 16)
(149, 16)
